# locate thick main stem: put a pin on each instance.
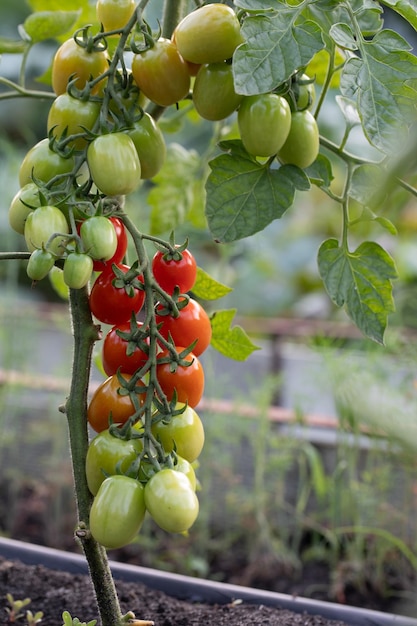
(85, 334)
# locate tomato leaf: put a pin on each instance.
(244, 196)
(360, 281)
(406, 8)
(275, 46)
(173, 194)
(208, 288)
(12, 46)
(86, 15)
(232, 342)
(383, 80)
(320, 172)
(44, 25)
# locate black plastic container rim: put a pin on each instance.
(199, 590)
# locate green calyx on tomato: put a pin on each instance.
(210, 34)
(264, 123)
(161, 73)
(116, 294)
(214, 94)
(73, 61)
(111, 402)
(303, 143)
(171, 500)
(181, 378)
(191, 326)
(117, 512)
(126, 346)
(72, 116)
(182, 431)
(114, 164)
(175, 270)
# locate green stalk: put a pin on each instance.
(85, 334)
(173, 12)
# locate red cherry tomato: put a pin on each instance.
(171, 272)
(191, 324)
(187, 380)
(116, 347)
(114, 304)
(106, 401)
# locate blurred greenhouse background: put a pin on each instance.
(315, 430)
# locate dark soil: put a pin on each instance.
(53, 592)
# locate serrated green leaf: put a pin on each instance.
(172, 195)
(258, 5)
(232, 342)
(320, 172)
(243, 196)
(384, 83)
(44, 25)
(406, 8)
(369, 216)
(275, 46)
(12, 46)
(87, 13)
(361, 282)
(367, 184)
(208, 288)
(343, 36)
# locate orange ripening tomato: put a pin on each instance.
(186, 380)
(107, 401)
(73, 61)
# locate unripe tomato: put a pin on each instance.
(23, 203)
(184, 466)
(106, 454)
(161, 73)
(114, 14)
(40, 264)
(121, 247)
(114, 164)
(77, 270)
(186, 380)
(115, 351)
(117, 511)
(214, 93)
(99, 237)
(73, 115)
(73, 61)
(150, 145)
(302, 145)
(170, 272)
(192, 323)
(306, 93)
(171, 500)
(43, 163)
(41, 224)
(210, 34)
(111, 304)
(106, 401)
(183, 431)
(264, 123)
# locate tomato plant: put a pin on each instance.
(209, 34)
(186, 381)
(116, 294)
(191, 325)
(114, 164)
(125, 347)
(161, 73)
(183, 431)
(171, 500)
(110, 401)
(177, 269)
(117, 512)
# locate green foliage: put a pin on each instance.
(232, 341)
(49, 24)
(74, 621)
(207, 288)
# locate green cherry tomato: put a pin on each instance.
(117, 511)
(106, 454)
(214, 94)
(302, 145)
(161, 73)
(40, 263)
(184, 431)
(73, 116)
(114, 164)
(43, 163)
(72, 61)
(78, 268)
(150, 145)
(184, 466)
(41, 224)
(114, 14)
(99, 237)
(56, 278)
(171, 500)
(23, 203)
(306, 93)
(264, 123)
(209, 34)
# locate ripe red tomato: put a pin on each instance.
(112, 300)
(187, 380)
(118, 352)
(106, 401)
(121, 248)
(171, 271)
(191, 324)
(161, 73)
(74, 61)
